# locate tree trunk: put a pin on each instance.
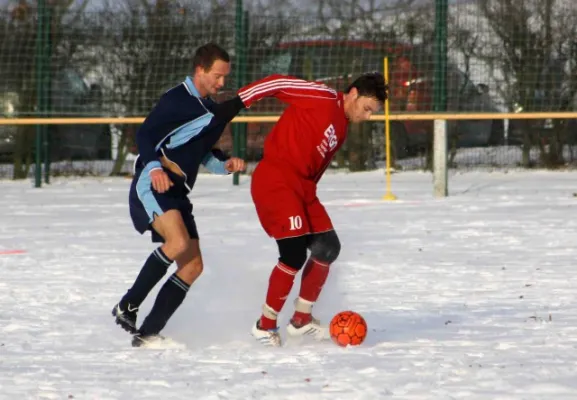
(22, 158)
(121, 151)
(526, 156)
(356, 138)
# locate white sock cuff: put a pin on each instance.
(268, 312)
(304, 306)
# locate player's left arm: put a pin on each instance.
(289, 90)
(218, 163)
(228, 109)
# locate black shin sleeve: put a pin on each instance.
(293, 251)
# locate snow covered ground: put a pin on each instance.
(468, 297)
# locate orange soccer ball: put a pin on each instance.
(348, 328)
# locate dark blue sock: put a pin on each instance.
(151, 273)
(169, 298)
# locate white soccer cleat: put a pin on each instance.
(266, 337)
(313, 328)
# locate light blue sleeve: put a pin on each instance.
(214, 165)
(153, 165)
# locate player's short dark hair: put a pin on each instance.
(371, 84)
(207, 54)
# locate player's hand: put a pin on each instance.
(235, 164)
(160, 180)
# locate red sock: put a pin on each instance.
(280, 284)
(314, 277)
(300, 318)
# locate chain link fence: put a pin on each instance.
(504, 56)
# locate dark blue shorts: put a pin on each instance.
(145, 203)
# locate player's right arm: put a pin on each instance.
(146, 143)
(287, 89)
(174, 108)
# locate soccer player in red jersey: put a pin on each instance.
(284, 188)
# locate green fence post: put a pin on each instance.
(440, 134)
(440, 83)
(238, 39)
(46, 94)
(39, 90)
(242, 141)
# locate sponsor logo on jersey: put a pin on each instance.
(329, 142)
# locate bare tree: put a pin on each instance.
(392, 27)
(141, 49)
(533, 46)
(19, 43)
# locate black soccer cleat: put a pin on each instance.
(142, 340)
(126, 318)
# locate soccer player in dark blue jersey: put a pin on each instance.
(178, 135)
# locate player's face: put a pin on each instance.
(213, 79)
(361, 108)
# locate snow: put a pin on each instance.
(466, 297)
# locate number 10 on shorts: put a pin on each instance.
(296, 222)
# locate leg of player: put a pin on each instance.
(293, 254)
(172, 293)
(153, 270)
(186, 251)
(325, 248)
(151, 273)
(172, 230)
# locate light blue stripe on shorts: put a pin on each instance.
(146, 195)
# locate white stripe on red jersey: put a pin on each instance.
(283, 87)
(289, 86)
(285, 83)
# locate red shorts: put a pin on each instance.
(287, 205)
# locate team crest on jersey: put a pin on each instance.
(329, 142)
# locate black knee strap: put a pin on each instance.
(325, 247)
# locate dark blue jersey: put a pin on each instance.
(181, 130)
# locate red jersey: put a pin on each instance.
(310, 130)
